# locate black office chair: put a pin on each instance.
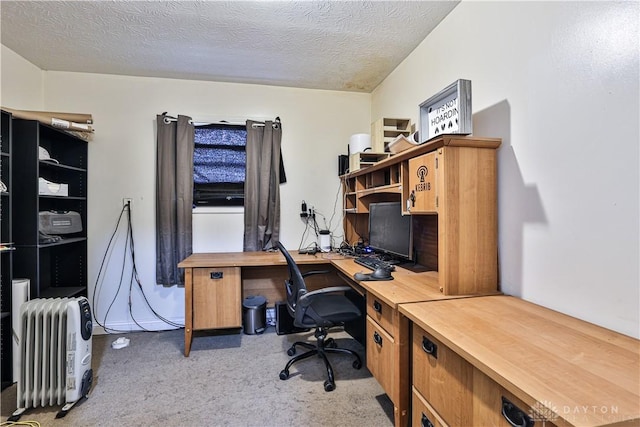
(320, 309)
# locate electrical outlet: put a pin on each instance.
(127, 201)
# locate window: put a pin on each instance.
(219, 163)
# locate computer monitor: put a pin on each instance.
(389, 230)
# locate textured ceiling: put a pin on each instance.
(337, 45)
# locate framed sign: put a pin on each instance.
(447, 112)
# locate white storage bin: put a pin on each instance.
(48, 188)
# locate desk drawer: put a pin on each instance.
(216, 298)
(381, 357)
(423, 414)
(381, 313)
(444, 379)
(493, 405)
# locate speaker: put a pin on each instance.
(343, 164)
(284, 321)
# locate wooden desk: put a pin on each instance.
(215, 283)
(388, 336)
(556, 369)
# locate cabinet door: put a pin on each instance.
(381, 313)
(381, 357)
(422, 184)
(493, 405)
(443, 378)
(422, 413)
(217, 298)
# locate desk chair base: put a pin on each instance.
(320, 349)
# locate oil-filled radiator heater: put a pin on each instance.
(55, 354)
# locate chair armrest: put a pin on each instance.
(312, 272)
(305, 300)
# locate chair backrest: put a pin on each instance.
(294, 285)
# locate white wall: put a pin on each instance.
(225, 223)
(558, 81)
(316, 128)
(22, 86)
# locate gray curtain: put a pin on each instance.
(174, 197)
(262, 186)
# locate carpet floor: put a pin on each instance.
(228, 380)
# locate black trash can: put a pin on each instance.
(254, 315)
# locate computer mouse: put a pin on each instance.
(381, 274)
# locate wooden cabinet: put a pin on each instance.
(216, 298)
(442, 378)
(423, 171)
(6, 251)
(388, 332)
(448, 390)
(449, 187)
(382, 353)
(381, 360)
(502, 361)
(455, 393)
(55, 268)
(423, 414)
(458, 183)
(494, 405)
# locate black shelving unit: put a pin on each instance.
(54, 269)
(6, 252)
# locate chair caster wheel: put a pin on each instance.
(284, 374)
(329, 386)
(291, 351)
(357, 364)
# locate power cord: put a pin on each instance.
(20, 423)
(130, 249)
(98, 287)
(310, 218)
(134, 275)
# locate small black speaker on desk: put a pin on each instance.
(343, 164)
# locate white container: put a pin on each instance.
(48, 188)
(359, 142)
(325, 240)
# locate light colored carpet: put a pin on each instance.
(228, 380)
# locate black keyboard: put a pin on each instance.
(373, 263)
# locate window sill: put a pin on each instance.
(218, 210)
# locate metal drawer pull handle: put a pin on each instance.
(514, 415)
(425, 422)
(377, 306)
(429, 347)
(217, 275)
(377, 339)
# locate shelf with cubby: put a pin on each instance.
(385, 130)
(55, 268)
(7, 250)
(461, 181)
